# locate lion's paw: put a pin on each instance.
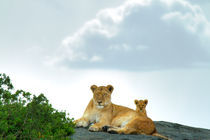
(94, 128)
(81, 123)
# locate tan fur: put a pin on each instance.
(102, 112)
(141, 107)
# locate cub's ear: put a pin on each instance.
(146, 102)
(93, 87)
(110, 88)
(136, 102)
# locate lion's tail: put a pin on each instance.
(160, 136)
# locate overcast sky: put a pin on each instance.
(147, 49)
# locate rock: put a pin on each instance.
(172, 130)
(182, 132)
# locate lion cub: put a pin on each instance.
(141, 109)
(141, 106)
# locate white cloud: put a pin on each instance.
(120, 47)
(174, 32)
(96, 58)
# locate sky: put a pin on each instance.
(147, 49)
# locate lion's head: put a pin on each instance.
(141, 105)
(102, 95)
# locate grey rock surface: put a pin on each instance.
(172, 130)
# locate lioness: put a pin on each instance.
(141, 106)
(101, 112)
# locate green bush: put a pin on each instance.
(23, 116)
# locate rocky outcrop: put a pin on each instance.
(172, 130)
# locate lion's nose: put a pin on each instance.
(99, 102)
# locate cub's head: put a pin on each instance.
(141, 105)
(102, 95)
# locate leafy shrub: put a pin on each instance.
(23, 116)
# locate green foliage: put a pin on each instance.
(25, 117)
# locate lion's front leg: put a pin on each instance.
(98, 126)
(82, 122)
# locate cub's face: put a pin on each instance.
(141, 105)
(102, 95)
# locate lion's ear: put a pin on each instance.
(93, 87)
(110, 88)
(136, 102)
(146, 102)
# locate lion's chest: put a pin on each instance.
(94, 117)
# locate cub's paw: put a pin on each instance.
(81, 123)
